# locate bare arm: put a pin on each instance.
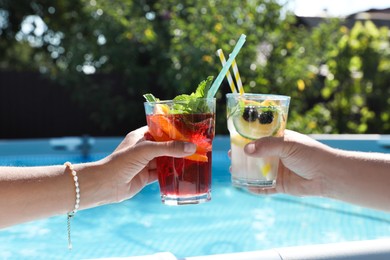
(36, 192)
(310, 168)
(360, 178)
(29, 193)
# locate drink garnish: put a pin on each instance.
(193, 103)
(266, 117)
(254, 120)
(250, 114)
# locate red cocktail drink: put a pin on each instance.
(183, 180)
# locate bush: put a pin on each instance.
(109, 53)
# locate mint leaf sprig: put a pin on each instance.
(193, 103)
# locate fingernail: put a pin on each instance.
(250, 148)
(189, 148)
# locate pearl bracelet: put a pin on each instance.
(77, 202)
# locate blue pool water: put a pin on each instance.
(234, 221)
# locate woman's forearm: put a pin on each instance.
(29, 193)
(360, 178)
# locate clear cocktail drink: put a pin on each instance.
(183, 180)
(250, 117)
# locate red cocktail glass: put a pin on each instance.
(183, 180)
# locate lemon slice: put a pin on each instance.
(266, 169)
(239, 140)
(257, 129)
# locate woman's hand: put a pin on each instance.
(301, 163)
(132, 165)
(308, 167)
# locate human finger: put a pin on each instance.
(132, 138)
(149, 150)
(152, 165)
(266, 146)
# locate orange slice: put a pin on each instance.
(197, 157)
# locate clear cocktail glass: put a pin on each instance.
(250, 117)
(183, 180)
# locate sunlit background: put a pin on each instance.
(90, 62)
(333, 7)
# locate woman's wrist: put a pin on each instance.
(94, 187)
(330, 172)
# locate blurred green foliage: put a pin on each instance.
(109, 53)
(349, 91)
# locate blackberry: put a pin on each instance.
(266, 117)
(250, 114)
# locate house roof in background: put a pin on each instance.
(383, 14)
(380, 17)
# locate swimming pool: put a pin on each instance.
(234, 221)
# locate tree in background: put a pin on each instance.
(348, 89)
(109, 53)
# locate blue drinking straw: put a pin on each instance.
(214, 87)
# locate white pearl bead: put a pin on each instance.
(76, 183)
